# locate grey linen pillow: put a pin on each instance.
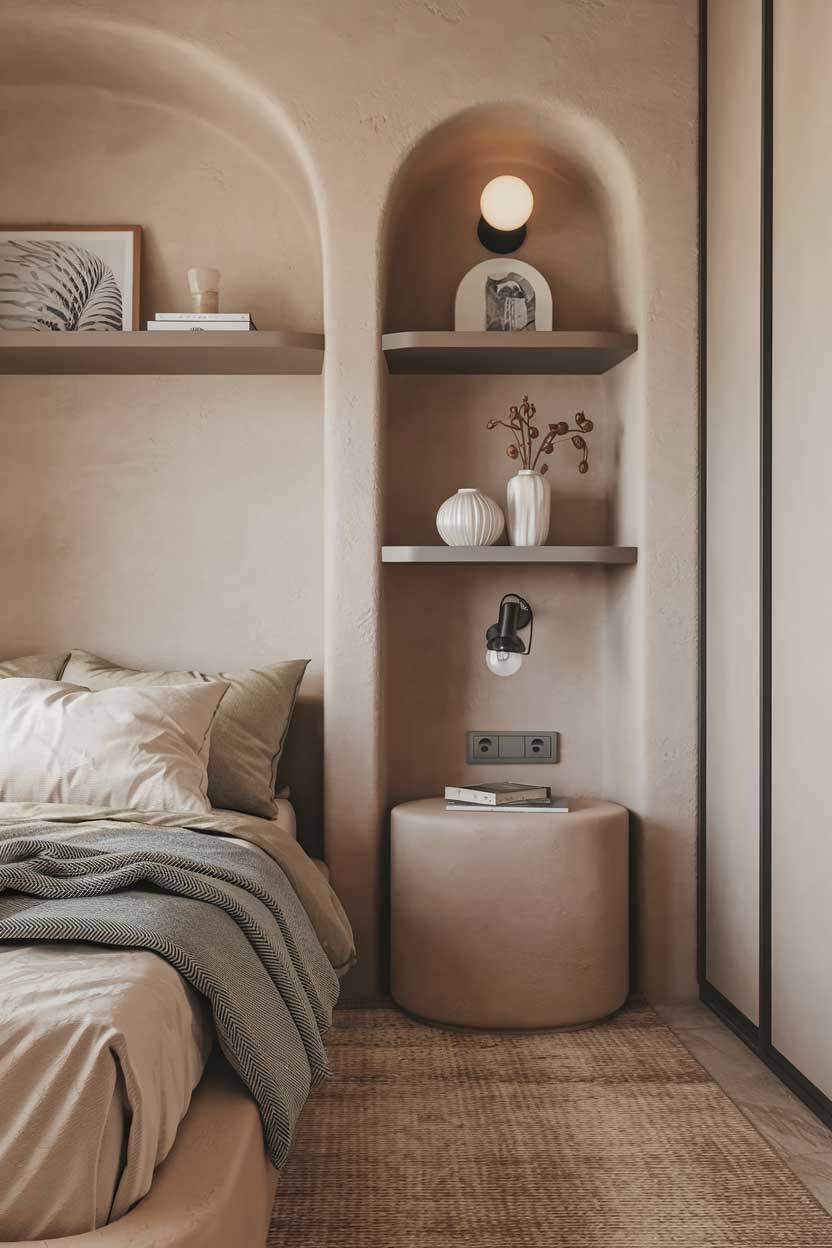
(249, 729)
(35, 666)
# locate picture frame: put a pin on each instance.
(83, 278)
(503, 294)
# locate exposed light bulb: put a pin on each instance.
(503, 662)
(506, 202)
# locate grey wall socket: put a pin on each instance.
(513, 747)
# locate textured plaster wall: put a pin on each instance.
(348, 90)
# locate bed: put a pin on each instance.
(155, 1050)
(202, 1196)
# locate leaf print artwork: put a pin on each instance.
(46, 284)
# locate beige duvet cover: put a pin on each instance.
(100, 1049)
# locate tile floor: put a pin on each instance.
(803, 1142)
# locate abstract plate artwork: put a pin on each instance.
(503, 295)
(60, 278)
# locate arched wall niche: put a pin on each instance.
(178, 520)
(586, 238)
(584, 234)
(152, 129)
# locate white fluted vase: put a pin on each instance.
(470, 518)
(528, 498)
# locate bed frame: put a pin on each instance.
(215, 1188)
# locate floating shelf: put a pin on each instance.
(509, 554)
(139, 352)
(555, 352)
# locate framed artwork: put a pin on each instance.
(503, 294)
(70, 277)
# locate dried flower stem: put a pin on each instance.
(549, 442)
(525, 433)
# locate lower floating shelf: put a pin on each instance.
(509, 554)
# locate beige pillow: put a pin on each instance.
(35, 666)
(250, 729)
(127, 749)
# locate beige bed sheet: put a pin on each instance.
(215, 1189)
(100, 1050)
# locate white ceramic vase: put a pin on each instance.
(528, 496)
(470, 518)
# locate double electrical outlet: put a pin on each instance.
(512, 747)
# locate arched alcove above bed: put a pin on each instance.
(166, 521)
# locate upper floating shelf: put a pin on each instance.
(139, 352)
(509, 554)
(544, 352)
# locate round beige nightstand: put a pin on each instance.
(509, 920)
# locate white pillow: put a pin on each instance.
(134, 748)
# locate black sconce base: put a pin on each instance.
(515, 615)
(502, 242)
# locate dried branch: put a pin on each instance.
(526, 433)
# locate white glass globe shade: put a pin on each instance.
(506, 202)
(503, 662)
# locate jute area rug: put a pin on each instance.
(610, 1136)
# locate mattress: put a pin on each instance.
(100, 1052)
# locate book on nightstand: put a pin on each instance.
(500, 793)
(546, 806)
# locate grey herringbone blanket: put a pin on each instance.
(223, 914)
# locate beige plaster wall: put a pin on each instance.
(348, 90)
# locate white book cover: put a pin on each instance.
(555, 806)
(496, 794)
(203, 316)
(216, 327)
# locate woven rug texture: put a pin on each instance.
(612, 1136)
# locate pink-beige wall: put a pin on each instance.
(299, 144)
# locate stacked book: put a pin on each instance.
(504, 795)
(202, 320)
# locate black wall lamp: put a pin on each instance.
(504, 648)
(506, 204)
